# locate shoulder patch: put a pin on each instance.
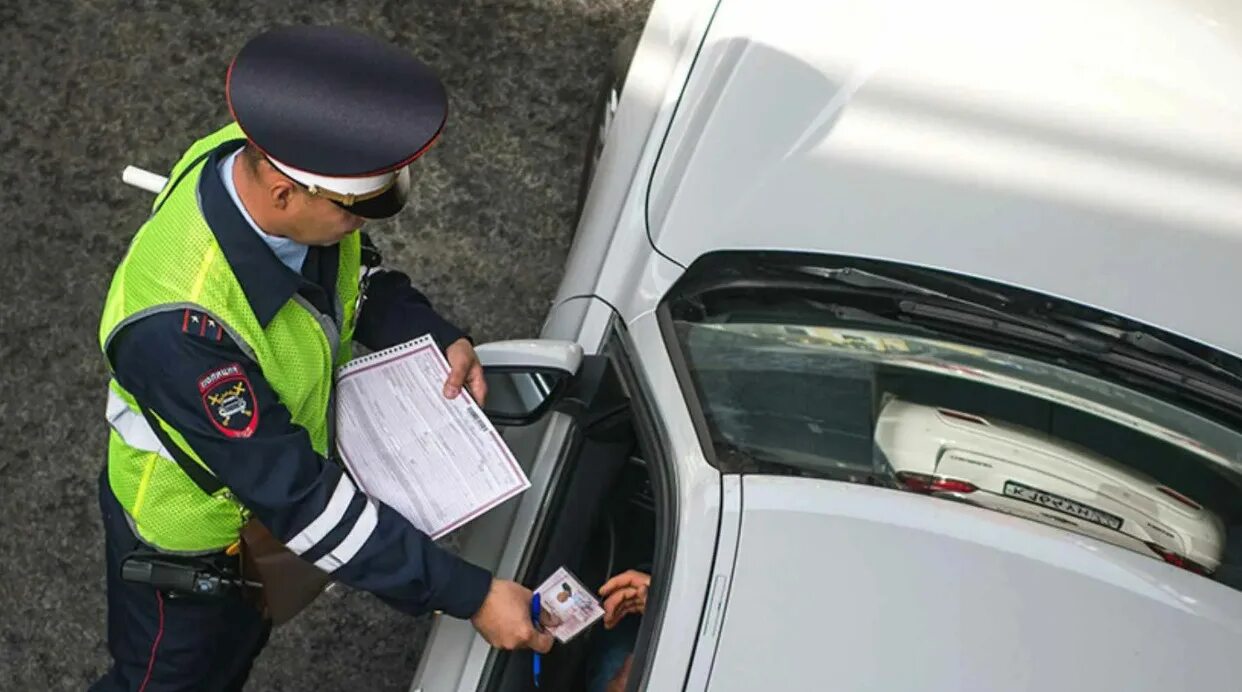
(201, 324)
(229, 400)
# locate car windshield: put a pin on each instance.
(786, 387)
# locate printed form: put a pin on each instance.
(437, 461)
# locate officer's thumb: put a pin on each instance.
(456, 378)
(542, 642)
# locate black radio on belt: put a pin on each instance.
(182, 576)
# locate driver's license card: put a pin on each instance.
(568, 599)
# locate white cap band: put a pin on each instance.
(359, 187)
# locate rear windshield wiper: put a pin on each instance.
(860, 278)
(1152, 345)
(1156, 346)
(853, 315)
(1155, 360)
(863, 279)
(995, 321)
(1134, 351)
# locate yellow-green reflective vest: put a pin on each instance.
(175, 263)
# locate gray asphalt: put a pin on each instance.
(92, 85)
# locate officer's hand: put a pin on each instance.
(504, 619)
(464, 368)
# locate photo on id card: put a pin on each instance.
(576, 606)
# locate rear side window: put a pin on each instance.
(789, 385)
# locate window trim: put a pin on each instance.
(654, 441)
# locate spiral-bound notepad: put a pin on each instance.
(439, 462)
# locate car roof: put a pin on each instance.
(1088, 151)
(842, 586)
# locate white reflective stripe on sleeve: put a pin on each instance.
(349, 547)
(132, 426)
(327, 519)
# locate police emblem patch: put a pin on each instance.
(229, 400)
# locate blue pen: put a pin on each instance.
(535, 604)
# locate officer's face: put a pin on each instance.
(299, 215)
(319, 221)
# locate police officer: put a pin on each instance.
(222, 328)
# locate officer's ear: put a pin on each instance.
(282, 191)
(279, 188)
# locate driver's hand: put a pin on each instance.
(624, 594)
(504, 619)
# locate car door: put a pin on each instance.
(542, 394)
(518, 541)
(688, 496)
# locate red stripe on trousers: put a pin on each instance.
(159, 598)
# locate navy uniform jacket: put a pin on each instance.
(275, 472)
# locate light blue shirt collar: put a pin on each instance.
(290, 252)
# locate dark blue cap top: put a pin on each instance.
(335, 102)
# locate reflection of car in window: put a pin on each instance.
(1035, 476)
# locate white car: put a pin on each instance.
(1031, 209)
(1036, 476)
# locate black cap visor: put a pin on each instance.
(386, 204)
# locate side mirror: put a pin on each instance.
(525, 377)
(520, 397)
